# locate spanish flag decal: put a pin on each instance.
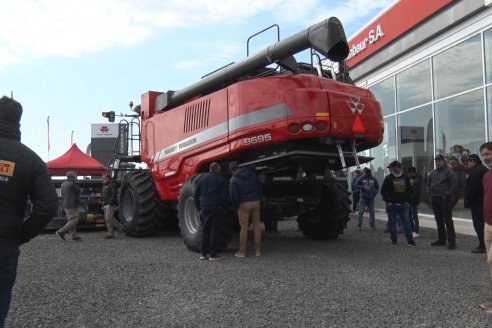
(7, 168)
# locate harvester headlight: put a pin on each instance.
(307, 127)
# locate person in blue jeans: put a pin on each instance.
(396, 191)
(368, 187)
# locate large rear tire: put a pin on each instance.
(330, 217)
(190, 224)
(140, 209)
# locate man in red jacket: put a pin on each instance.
(486, 153)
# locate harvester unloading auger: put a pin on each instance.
(294, 125)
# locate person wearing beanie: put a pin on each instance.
(474, 197)
(443, 185)
(70, 194)
(396, 191)
(23, 176)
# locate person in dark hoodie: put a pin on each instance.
(474, 198)
(210, 200)
(245, 193)
(23, 176)
(443, 184)
(396, 191)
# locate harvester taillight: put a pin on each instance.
(294, 128)
(321, 125)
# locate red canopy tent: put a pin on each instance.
(75, 160)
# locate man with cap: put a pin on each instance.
(368, 187)
(474, 197)
(70, 193)
(23, 175)
(443, 185)
(396, 192)
(414, 200)
(108, 200)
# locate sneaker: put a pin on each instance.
(76, 238)
(60, 234)
(359, 228)
(488, 309)
(412, 244)
(258, 253)
(478, 250)
(415, 235)
(393, 243)
(486, 305)
(438, 243)
(204, 257)
(451, 246)
(109, 237)
(216, 257)
(239, 255)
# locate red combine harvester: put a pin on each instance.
(295, 125)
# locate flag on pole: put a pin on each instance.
(48, 123)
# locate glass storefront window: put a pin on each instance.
(385, 94)
(459, 68)
(460, 130)
(487, 35)
(384, 154)
(416, 145)
(413, 86)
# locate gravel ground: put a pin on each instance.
(358, 280)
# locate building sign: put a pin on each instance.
(104, 131)
(397, 20)
(372, 37)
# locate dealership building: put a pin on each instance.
(429, 63)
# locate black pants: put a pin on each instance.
(477, 218)
(443, 213)
(213, 219)
(355, 200)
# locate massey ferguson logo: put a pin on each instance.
(104, 129)
(355, 105)
(7, 168)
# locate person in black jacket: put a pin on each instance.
(245, 193)
(210, 200)
(23, 175)
(396, 192)
(108, 200)
(474, 198)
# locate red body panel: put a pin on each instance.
(249, 114)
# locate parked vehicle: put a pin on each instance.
(295, 124)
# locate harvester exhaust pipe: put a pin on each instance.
(327, 37)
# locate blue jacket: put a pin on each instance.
(368, 186)
(244, 187)
(210, 191)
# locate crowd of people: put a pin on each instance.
(402, 194)
(23, 176)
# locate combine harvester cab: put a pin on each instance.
(294, 125)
